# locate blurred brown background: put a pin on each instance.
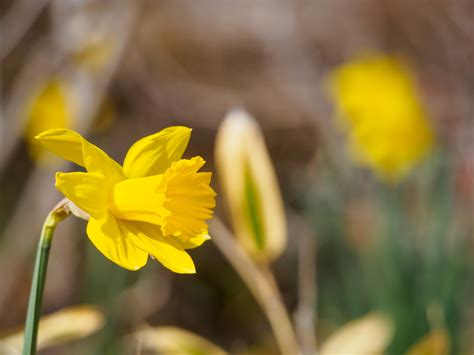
(179, 62)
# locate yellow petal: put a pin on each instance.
(63, 142)
(140, 199)
(251, 186)
(152, 155)
(72, 146)
(189, 198)
(165, 249)
(96, 160)
(87, 190)
(106, 235)
(194, 242)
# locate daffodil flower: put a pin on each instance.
(388, 126)
(155, 204)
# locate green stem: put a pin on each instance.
(60, 212)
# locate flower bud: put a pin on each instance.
(250, 186)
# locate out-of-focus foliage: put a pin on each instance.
(379, 106)
(173, 340)
(58, 328)
(370, 334)
(434, 343)
(404, 267)
(94, 55)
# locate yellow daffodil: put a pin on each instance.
(155, 204)
(388, 128)
(49, 108)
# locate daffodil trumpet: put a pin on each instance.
(155, 204)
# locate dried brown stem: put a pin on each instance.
(260, 284)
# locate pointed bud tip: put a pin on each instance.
(39, 136)
(239, 113)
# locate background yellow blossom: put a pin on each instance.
(386, 122)
(49, 108)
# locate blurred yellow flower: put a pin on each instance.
(250, 186)
(156, 204)
(50, 108)
(377, 100)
